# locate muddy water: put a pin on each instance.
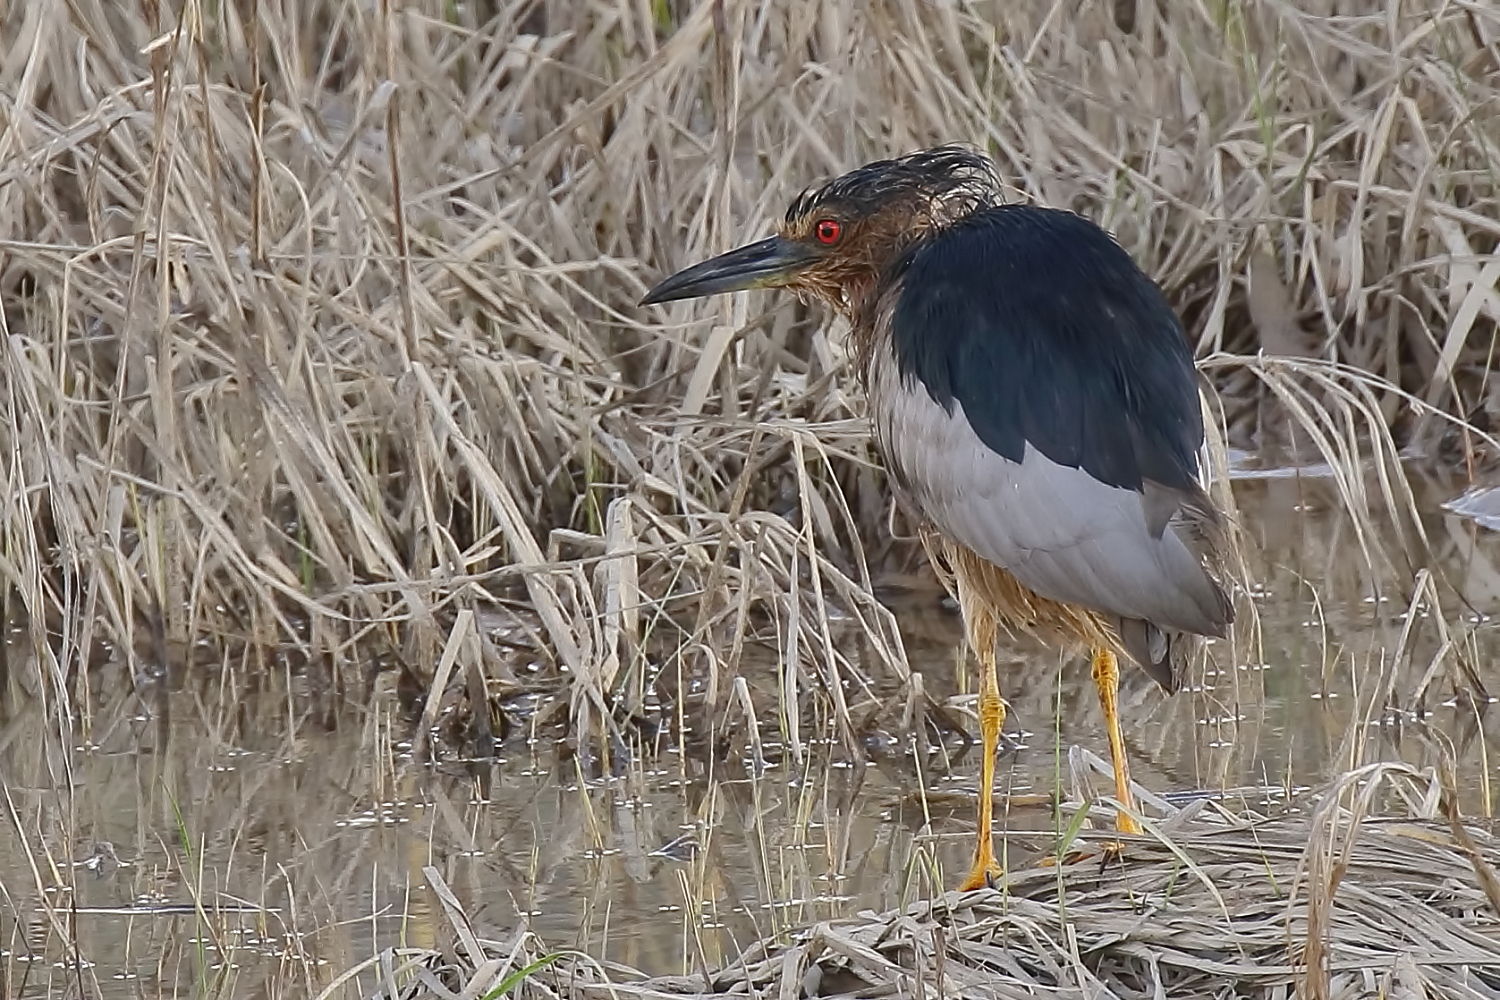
(193, 844)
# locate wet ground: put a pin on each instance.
(197, 844)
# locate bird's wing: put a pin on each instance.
(1039, 405)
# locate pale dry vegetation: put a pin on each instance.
(1218, 908)
(321, 344)
(320, 318)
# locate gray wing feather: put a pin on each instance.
(1059, 531)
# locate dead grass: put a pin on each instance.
(320, 329)
(1211, 904)
(329, 318)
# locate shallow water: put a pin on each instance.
(290, 817)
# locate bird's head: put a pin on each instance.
(836, 240)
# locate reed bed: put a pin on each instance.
(1333, 904)
(322, 358)
(320, 327)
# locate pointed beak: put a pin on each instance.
(766, 264)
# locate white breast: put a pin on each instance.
(1056, 529)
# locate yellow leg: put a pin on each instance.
(991, 721)
(1107, 679)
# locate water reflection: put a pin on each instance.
(287, 833)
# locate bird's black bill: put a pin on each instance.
(766, 264)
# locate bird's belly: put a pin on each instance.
(1060, 534)
(915, 438)
(991, 596)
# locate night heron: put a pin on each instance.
(1034, 398)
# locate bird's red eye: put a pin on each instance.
(828, 231)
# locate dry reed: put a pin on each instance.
(1337, 904)
(323, 312)
(320, 330)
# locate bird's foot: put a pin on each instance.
(1113, 850)
(982, 876)
(1110, 850)
(985, 872)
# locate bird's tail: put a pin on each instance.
(1162, 653)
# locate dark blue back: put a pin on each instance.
(1042, 327)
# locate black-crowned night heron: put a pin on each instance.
(1034, 398)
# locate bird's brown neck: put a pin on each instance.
(867, 298)
(854, 286)
(867, 311)
(855, 296)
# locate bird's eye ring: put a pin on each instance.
(828, 231)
